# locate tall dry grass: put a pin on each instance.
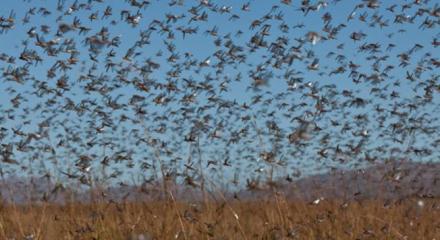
(274, 218)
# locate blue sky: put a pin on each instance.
(201, 46)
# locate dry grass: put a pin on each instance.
(269, 219)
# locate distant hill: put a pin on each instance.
(392, 180)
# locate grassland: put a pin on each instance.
(271, 218)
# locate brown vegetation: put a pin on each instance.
(338, 205)
(272, 218)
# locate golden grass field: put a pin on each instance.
(272, 218)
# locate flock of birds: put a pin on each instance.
(191, 91)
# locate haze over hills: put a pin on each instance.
(391, 180)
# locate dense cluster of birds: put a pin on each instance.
(191, 91)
